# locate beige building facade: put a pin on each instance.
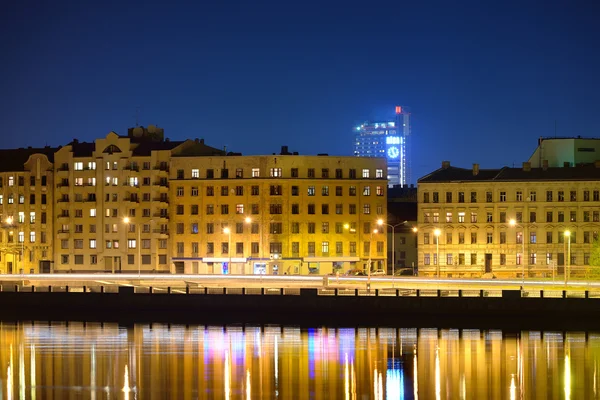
(471, 212)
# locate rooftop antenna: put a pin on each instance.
(554, 129)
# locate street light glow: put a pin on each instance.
(512, 222)
(379, 222)
(226, 231)
(567, 233)
(126, 220)
(9, 220)
(437, 232)
(248, 220)
(415, 229)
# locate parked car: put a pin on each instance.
(355, 272)
(403, 272)
(378, 272)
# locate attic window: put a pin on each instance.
(112, 149)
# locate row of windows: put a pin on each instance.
(278, 173)
(33, 237)
(276, 190)
(429, 259)
(21, 217)
(518, 196)
(20, 181)
(111, 244)
(588, 237)
(275, 209)
(224, 172)
(275, 227)
(78, 259)
(277, 247)
(112, 228)
(10, 199)
(587, 216)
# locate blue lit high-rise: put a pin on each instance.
(389, 139)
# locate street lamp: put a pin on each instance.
(380, 222)
(369, 272)
(437, 232)
(568, 263)
(228, 232)
(512, 222)
(138, 244)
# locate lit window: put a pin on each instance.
(133, 181)
(255, 172)
(21, 237)
(92, 165)
(32, 217)
(195, 173)
(275, 172)
(92, 243)
(378, 173)
(11, 181)
(131, 243)
(21, 217)
(78, 166)
(239, 209)
(32, 237)
(92, 212)
(365, 173)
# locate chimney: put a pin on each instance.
(445, 164)
(475, 169)
(544, 165)
(201, 141)
(566, 164)
(527, 166)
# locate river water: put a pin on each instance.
(108, 361)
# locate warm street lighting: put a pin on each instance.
(568, 262)
(248, 220)
(9, 220)
(437, 234)
(513, 223)
(228, 232)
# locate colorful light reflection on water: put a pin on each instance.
(56, 361)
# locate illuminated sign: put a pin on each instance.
(392, 140)
(393, 152)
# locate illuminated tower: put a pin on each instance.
(389, 139)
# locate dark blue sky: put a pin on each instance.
(483, 79)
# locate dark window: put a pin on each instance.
(210, 174)
(179, 174)
(224, 173)
(294, 172)
(338, 174)
(32, 199)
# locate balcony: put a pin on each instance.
(63, 215)
(163, 168)
(64, 168)
(62, 185)
(132, 168)
(63, 232)
(161, 231)
(62, 200)
(160, 215)
(161, 199)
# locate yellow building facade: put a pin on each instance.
(142, 203)
(279, 214)
(464, 220)
(26, 210)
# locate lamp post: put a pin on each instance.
(369, 271)
(437, 232)
(512, 222)
(380, 222)
(568, 261)
(9, 221)
(138, 244)
(228, 232)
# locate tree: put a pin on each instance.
(595, 259)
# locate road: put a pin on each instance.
(179, 282)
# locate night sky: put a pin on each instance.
(483, 79)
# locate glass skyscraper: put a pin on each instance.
(388, 139)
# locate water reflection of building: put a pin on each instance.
(60, 361)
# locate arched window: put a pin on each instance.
(112, 149)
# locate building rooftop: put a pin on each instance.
(454, 174)
(15, 159)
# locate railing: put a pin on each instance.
(322, 292)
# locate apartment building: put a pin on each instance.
(112, 202)
(278, 214)
(464, 220)
(26, 210)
